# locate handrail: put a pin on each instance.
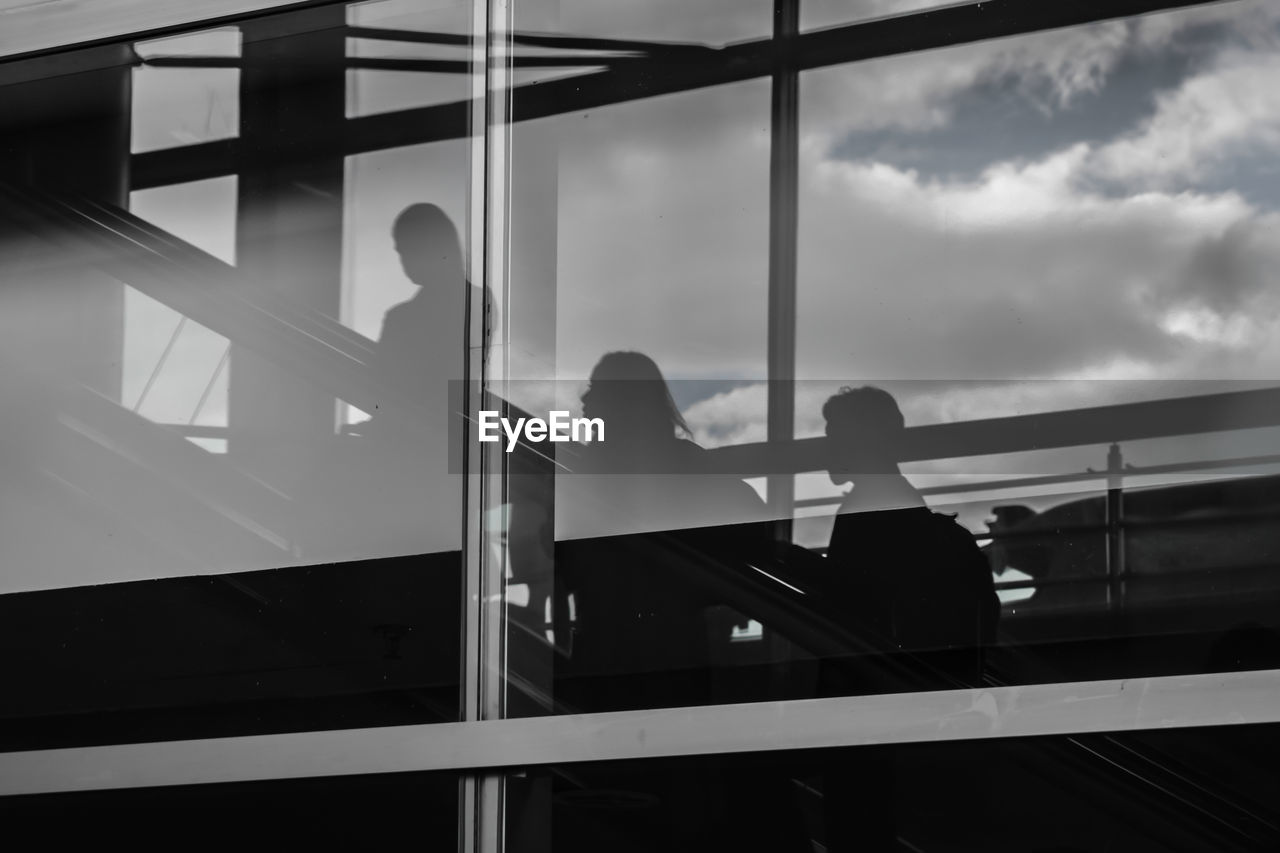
(149, 234)
(1079, 477)
(1204, 413)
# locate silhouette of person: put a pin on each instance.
(641, 522)
(633, 518)
(421, 346)
(911, 581)
(648, 474)
(391, 493)
(915, 580)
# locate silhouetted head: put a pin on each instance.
(428, 245)
(864, 432)
(628, 391)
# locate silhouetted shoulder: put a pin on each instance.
(917, 577)
(407, 316)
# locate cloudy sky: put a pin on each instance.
(1096, 202)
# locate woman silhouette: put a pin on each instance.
(638, 522)
(647, 475)
(646, 535)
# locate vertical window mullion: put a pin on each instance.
(783, 222)
(484, 677)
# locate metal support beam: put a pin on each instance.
(1033, 710)
(68, 131)
(482, 795)
(1115, 529)
(784, 154)
(288, 222)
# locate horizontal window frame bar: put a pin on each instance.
(1066, 708)
(1199, 414)
(1009, 483)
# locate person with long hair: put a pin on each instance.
(648, 474)
(650, 540)
(637, 518)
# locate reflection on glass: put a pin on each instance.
(407, 53)
(913, 579)
(1049, 254)
(649, 216)
(186, 90)
(175, 370)
(1031, 196)
(198, 538)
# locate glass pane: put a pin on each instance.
(637, 225)
(1047, 256)
(232, 500)
(175, 369)
(407, 53)
(186, 90)
(1032, 228)
(1188, 789)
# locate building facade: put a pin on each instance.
(934, 501)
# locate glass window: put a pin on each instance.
(174, 369)
(637, 225)
(824, 350)
(186, 90)
(1052, 224)
(403, 54)
(1033, 393)
(232, 501)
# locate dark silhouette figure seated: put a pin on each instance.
(912, 580)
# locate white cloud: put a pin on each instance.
(1022, 272)
(730, 417)
(1227, 111)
